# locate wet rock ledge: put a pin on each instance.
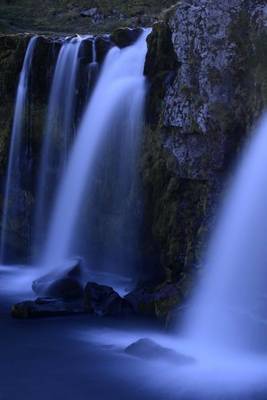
(71, 294)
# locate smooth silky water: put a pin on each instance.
(116, 106)
(58, 133)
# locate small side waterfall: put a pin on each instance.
(58, 131)
(113, 113)
(14, 204)
(229, 308)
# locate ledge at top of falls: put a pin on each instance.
(80, 16)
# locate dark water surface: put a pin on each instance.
(44, 359)
(79, 358)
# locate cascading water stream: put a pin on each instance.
(119, 94)
(229, 310)
(13, 201)
(58, 131)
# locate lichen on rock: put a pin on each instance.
(198, 119)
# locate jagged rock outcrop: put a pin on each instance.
(212, 93)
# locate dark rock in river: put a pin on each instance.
(104, 301)
(66, 296)
(46, 307)
(65, 286)
(150, 350)
(152, 302)
(124, 37)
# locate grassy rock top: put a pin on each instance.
(81, 16)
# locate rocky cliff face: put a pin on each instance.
(203, 101)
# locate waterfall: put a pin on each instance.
(114, 114)
(14, 202)
(58, 131)
(229, 308)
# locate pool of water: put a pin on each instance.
(83, 357)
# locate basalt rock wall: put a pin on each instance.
(207, 71)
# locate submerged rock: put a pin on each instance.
(124, 37)
(46, 307)
(150, 350)
(104, 301)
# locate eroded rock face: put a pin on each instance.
(202, 115)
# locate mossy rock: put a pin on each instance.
(155, 302)
(160, 66)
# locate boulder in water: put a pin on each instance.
(104, 301)
(150, 350)
(46, 307)
(65, 286)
